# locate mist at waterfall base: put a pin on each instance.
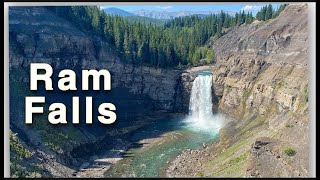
(199, 127)
(201, 117)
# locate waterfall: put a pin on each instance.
(201, 117)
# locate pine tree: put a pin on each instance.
(249, 18)
(279, 10)
(179, 41)
(268, 14)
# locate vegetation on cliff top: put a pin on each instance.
(267, 12)
(177, 42)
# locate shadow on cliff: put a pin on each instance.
(131, 110)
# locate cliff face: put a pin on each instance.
(261, 79)
(264, 63)
(37, 35)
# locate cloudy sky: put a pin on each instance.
(234, 7)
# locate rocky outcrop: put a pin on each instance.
(267, 160)
(261, 79)
(184, 91)
(184, 88)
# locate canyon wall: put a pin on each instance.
(36, 35)
(263, 68)
(261, 78)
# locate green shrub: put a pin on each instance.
(18, 150)
(290, 152)
(306, 95)
(18, 171)
(289, 125)
(200, 174)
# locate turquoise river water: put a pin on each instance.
(165, 139)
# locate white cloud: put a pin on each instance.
(165, 7)
(251, 8)
(101, 7)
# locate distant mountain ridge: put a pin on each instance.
(132, 17)
(160, 14)
(117, 11)
(174, 14)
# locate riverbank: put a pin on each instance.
(157, 145)
(97, 165)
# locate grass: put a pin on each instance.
(279, 85)
(228, 152)
(246, 93)
(243, 140)
(304, 99)
(305, 94)
(234, 161)
(200, 174)
(231, 162)
(290, 152)
(233, 167)
(238, 159)
(258, 120)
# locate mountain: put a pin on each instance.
(118, 12)
(172, 15)
(153, 17)
(260, 80)
(132, 17)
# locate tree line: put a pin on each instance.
(268, 12)
(180, 41)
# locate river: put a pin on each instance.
(158, 143)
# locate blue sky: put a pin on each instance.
(234, 7)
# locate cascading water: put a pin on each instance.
(200, 127)
(200, 116)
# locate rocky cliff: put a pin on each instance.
(37, 35)
(261, 79)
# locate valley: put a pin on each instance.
(192, 99)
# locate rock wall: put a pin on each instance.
(184, 91)
(263, 64)
(184, 88)
(37, 35)
(261, 79)
(262, 69)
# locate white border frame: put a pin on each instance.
(312, 67)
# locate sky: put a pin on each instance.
(234, 7)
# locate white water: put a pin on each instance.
(200, 116)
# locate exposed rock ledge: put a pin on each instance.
(261, 77)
